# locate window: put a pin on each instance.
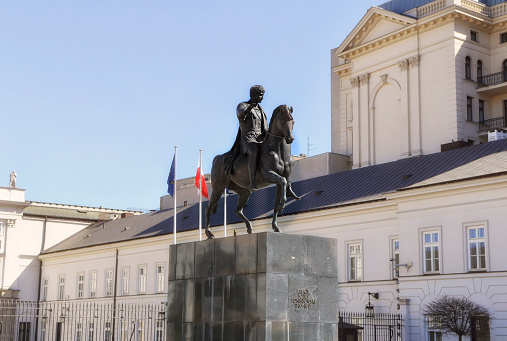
(93, 284)
(140, 330)
(480, 328)
(109, 282)
(504, 69)
(503, 38)
(479, 71)
(107, 331)
(396, 257)
(160, 278)
(142, 279)
(355, 265)
(477, 247)
(125, 281)
(469, 109)
(481, 110)
(474, 36)
(434, 336)
(80, 285)
(431, 252)
(91, 331)
(44, 294)
(61, 287)
(468, 68)
(43, 327)
(79, 331)
(159, 333)
(124, 330)
(24, 331)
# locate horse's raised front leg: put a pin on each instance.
(281, 182)
(274, 223)
(243, 196)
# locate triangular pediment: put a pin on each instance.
(376, 23)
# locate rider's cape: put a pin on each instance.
(232, 154)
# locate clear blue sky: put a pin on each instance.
(94, 95)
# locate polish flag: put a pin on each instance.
(203, 182)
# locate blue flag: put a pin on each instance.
(170, 180)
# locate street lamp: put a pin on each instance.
(369, 310)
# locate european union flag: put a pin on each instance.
(170, 180)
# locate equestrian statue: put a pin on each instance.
(260, 156)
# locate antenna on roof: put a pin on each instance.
(308, 147)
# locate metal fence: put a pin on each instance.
(81, 321)
(360, 327)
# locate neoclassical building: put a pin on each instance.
(417, 77)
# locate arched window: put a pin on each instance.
(479, 71)
(468, 68)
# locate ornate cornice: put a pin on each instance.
(449, 15)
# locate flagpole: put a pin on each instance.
(200, 194)
(175, 192)
(225, 212)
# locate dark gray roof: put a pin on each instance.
(339, 189)
(401, 6)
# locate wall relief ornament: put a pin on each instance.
(384, 78)
(354, 81)
(414, 61)
(364, 78)
(403, 64)
(11, 223)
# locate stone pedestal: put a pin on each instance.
(264, 286)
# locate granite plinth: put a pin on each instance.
(263, 286)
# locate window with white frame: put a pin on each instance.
(79, 331)
(476, 247)
(142, 279)
(93, 283)
(124, 330)
(396, 257)
(160, 280)
(107, 331)
(44, 293)
(355, 261)
(431, 247)
(159, 333)
(80, 285)
(434, 324)
(91, 331)
(61, 287)
(43, 328)
(109, 282)
(125, 276)
(140, 330)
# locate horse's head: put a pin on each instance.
(282, 123)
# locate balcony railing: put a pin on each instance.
(493, 79)
(492, 124)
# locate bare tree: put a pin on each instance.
(453, 314)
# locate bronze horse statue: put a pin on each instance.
(274, 167)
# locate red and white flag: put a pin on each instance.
(199, 176)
